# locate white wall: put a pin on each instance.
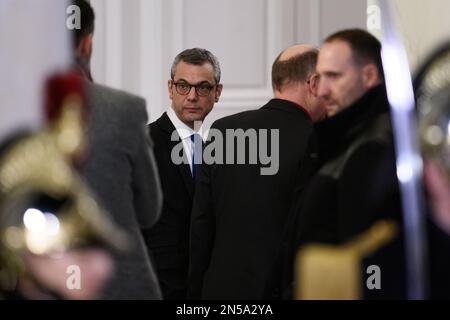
(136, 40)
(425, 25)
(26, 61)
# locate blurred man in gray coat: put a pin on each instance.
(121, 170)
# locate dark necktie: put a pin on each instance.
(196, 153)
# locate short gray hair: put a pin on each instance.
(198, 57)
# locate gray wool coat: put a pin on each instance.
(121, 170)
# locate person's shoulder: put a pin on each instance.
(126, 107)
(162, 124)
(234, 120)
(114, 95)
(162, 118)
(377, 157)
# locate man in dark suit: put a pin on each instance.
(194, 88)
(121, 170)
(240, 210)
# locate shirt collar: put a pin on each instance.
(183, 130)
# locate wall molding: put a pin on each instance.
(113, 43)
(150, 55)
(161, 29)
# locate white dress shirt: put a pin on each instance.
(185, 133)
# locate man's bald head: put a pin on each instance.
(295, 50)
(294, 79)
(295, 64)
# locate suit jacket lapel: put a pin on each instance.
(184, 168)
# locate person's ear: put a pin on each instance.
(85, 47)
(169, 87)
(219, 88)
(313, 84)
(370, 76)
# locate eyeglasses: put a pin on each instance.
(202, 89)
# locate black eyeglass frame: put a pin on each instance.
(196, 86)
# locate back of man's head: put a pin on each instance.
(294, 78)
(87, 21)
(365, 47)
(290, 69)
